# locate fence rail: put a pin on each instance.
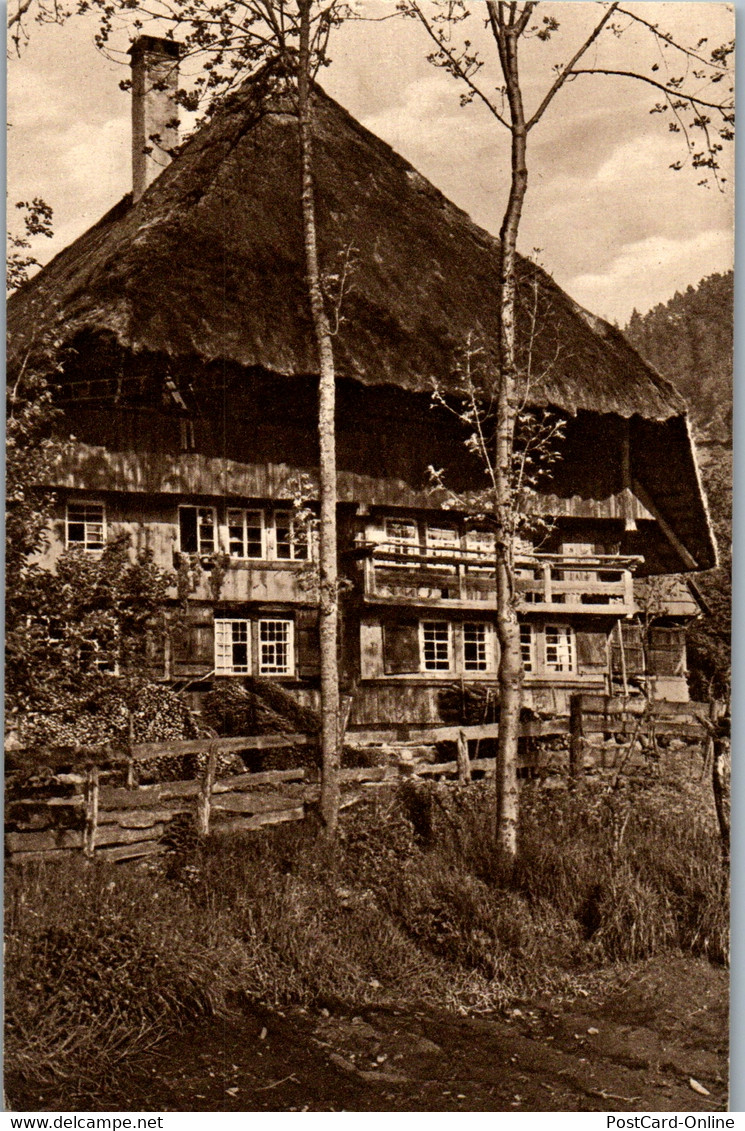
(110, 821)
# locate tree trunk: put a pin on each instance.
(328, 588)
(508, 629)
(720, 774)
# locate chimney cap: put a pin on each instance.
(153, 43)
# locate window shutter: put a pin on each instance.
(592, 650)
(633, 650)
(667, 651)
(187, 520)
(193, 641)
(401, 647)
(306, 643)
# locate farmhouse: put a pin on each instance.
(188, 383)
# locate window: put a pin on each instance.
(246, 534)
(403, 535)
(435, 646)
(560, 648)
(477, 647)
(442, 539)
(275, 647)
(483, 544)
(578, 549)
(197, 528)
(526, 647)
(291, 538)
(186, 434)
(232, 652)
(85, 526)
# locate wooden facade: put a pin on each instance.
(190, 395)
(418, 603)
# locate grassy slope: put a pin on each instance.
(107, 959)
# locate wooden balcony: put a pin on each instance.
(465, 579)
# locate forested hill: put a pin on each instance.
(689, 340)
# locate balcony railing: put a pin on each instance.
(403, 575)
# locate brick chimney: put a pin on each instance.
(154, 85)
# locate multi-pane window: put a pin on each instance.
(291, 537)
(85, 526)
(275, 647)
(232, 648)
(560, 648)
(477, 647)
(527, 647)
(435, 645)
(197, 530)
(482, 545)
(442, 539)
(246, 534)
(402, 534)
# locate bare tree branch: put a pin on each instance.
(569, 68)
(668, 90)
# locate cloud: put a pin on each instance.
(586, 222)
(428, 120)
(651, 270)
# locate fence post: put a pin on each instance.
(576, 739)
(130, 759)
(464, 764)
(91, 811)
(345, 710)
(204, 799)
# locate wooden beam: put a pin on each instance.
(144, 750)
(685, 556)
(627, 502)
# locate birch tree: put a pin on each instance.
(282, 44)
(697, 99)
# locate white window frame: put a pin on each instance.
(442, 549)
(88, 544)
(438, 547)
(286, 519)
(424, 626)
(225, 639)
(200, 550)
(564, 659)
(527, 647)
(475, 540)
(244, 512)
(406, 546)
(288, 643)
(486, 663)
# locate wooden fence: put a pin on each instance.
(111, 821)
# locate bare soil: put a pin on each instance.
(647, 1038)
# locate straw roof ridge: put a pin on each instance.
(209, 263)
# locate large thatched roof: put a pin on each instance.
(209, 264)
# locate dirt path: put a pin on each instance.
(634, 1046)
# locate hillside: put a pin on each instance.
(689, 340)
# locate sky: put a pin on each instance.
(605, 215)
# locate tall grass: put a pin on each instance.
(104, 959)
